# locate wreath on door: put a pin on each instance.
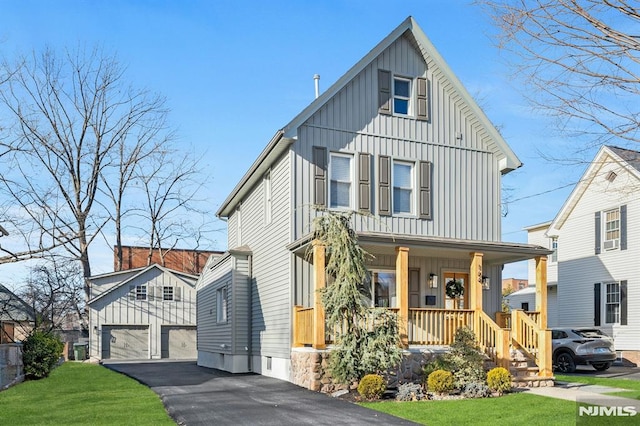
(454, 289)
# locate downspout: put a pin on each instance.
(249, 328)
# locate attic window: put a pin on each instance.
(611, 176)
(401, 95)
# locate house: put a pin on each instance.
(596, 241)
(537, 234)
(399, 139)
(16, 317)
(184, 260)
(142, 313)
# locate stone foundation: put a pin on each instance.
(309, 368)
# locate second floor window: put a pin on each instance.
(167, 293)
(141, 292)
(611, 229)
(554, 247)
(340, 177)
(402, 187)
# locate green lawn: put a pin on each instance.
(633, 386)
(78, 393)
(511, 409)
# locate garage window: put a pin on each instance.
(167, 293)
(141, 292)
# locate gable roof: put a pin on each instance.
(627, 159)
(186, 278)
(286, 136)
(13, 308)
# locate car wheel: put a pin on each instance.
(601, 366)
(565, 363)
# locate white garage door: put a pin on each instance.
(125, 342)
(178, 342)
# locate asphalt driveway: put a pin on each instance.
(201, 396)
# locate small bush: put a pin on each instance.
(476, 390)
(499, 380)
(410, 392)
(40, 354)
(440, 381)
(371, 386)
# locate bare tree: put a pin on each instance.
(579, 61)
(170, 183)
(72, 118)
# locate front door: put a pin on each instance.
(461, 302)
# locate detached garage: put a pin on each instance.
(144, 313)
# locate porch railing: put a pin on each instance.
(436, 326)
(503, 319)
(493, 339)
(535, 341)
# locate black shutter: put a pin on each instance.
(423, 99)
(384, 186)
(425, 190)
(364, 182)
(384, 92)
(320, 176)
(598, 232)
(623, 227)
(623, 302)
(596, 304)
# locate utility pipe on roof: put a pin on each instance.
(316, 79)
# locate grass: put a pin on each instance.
(78, 393)
(516, 408)
(633, 386)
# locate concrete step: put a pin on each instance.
(532, 382)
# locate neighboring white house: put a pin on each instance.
(597, 244)
(400, 139)
(143, 313)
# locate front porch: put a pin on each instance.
(426, 326)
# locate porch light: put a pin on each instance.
(433, 281)
(486, 283)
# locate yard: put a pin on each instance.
(78, 393)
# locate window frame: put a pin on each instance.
(391, 297)
(412, 189)
(165, 293)
(408, 99)
(612, 317)
(222, 303)
(606, 231)
(141, 292)
(553, 257)
(351, 181)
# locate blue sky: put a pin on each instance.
(234, 72)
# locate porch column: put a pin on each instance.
(319, 280)
(541, 290)
(475, 282)
(402, 292)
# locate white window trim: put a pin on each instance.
(412, 207)
(409, 99)
(372, 284)
(222, 303)
(268, 197)
(605, 303)
(351, 180)
(553, 257)
(614, 242)
(141, 290)
(173, 293)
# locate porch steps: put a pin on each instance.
(524, 372)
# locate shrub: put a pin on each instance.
(40, 354)
(436, 364)
(410, 392)
(476, 390)
(371, 386)
(465, 360)
(499, 380)
(440, 381)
